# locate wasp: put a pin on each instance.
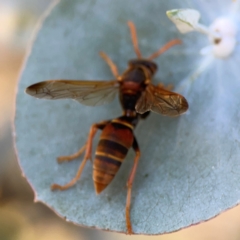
(137, 95)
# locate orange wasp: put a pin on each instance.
(137, 96)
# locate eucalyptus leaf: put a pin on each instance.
(188, 171)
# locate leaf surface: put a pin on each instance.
(189, 166)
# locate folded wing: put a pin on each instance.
(160, 100)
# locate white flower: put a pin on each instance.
(221, 32)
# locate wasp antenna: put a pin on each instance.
(165, 48)
(134, 39)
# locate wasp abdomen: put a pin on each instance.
(115, 140)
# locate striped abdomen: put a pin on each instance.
(115, 140)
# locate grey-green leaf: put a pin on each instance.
(188, 171)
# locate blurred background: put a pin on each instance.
(20, 217)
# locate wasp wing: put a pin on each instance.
(160, 100)
(91, 93)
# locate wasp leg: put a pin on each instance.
(129, 186)
(134, 39)
(167, 87)
(110, 63)
(87, 156)
(145, 115)
(71, 157)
